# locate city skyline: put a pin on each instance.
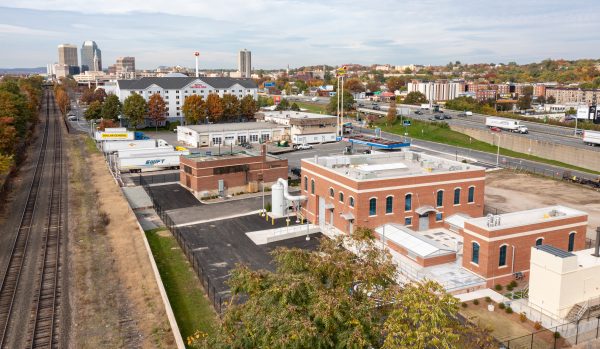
(301, 32)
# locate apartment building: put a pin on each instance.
(564, 95)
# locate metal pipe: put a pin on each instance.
(597, 244)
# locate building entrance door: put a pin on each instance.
(424, 222)
(321, 211)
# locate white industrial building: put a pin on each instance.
(304, 128)
(209, 135)
(175, 87)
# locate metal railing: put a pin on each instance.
(219, 299)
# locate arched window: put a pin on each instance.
(571, 242)
(331, 193)
(539, 241)
(440, 198)
(457, 196)
(471, 196)
(305, 183)
(341, 197)
(408, 202)
(502, 256)
(389, 204)
(475, 254)
(351, 201)
(312, 186)
(373, 207)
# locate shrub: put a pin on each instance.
(509, 288)
(513, 284)
(537, 325)
(501, 305)
(268, 207)
(488, 299)
(172, 125)
(522, 317)
(508, 310)
(464, 304)
(557, 335)
(476, 301)
(498, 287)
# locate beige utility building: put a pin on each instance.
(564, 285)
(302, 127)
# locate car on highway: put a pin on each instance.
(447, 117)
(418, 112)
(375, 107)
(72, 118)
(578, 132)
(368, 151)
(302, 146)
(495, 129)
(439, 117)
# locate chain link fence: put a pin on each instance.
(218, 298)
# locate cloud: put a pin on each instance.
(8, 29)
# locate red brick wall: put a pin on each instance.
(421, 195)
(489, 251)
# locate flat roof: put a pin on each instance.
(201, 157)
(232, 126)
(290, 114)
(554, 251)
(413, 242)
(390, 165)
(522, 218)
(376, 142)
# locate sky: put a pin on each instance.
(301, 32)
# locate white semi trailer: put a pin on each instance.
(591, 137)
(150, 162)
(113, 146)
(506, 124)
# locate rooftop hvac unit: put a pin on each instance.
(493, 220)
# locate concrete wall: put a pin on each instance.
(581, 157)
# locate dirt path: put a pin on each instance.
(510, 191)
(115, 301)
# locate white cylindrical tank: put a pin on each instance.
(277, 200)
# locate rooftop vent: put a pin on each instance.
(493, 220)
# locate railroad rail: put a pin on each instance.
(43, 332)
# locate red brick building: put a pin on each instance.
(498, 247)
(233, 173)
(411, 189)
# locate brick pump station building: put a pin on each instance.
(414, 189)
(230, 173)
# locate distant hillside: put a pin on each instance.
(23, 70)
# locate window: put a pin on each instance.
(351, 201)
(457, 196)
(408, 221)
(475, 253)
(408, 202)
(471, 197)
(312, 186)
(305, 183)
(331, 193)
(539, 242)
(177, 91)
(373, 207)
(571, 242)
(389, 204)
(242, 139)
(216, 140)
(253, 138)
(265, 137)
(341, 196)
(439, 216)
(194, 91)
(177, 113)
(502, 256)
(440, 198)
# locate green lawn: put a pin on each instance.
(192, 309)
(436, 132)
(313, 107)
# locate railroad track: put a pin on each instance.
(49, 274)
(43, 329)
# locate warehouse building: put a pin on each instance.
(209, 135)
(175, 87)
(230, 173)
(416, 190)
(304, 128)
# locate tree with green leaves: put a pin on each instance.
(551, 100)
(135, 109)
(415, 98)
(99, 95)
(294, 107)
(94, 111)
(248, 107)
(348, 103)
(231, 107)
(284, 104)
(394, 83)
(524, 102)
(194, 109)
(111, 108)
(157, 110)
(391, 116)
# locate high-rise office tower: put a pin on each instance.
(125, 67)
(67, 59)
(245, 63)
(91, 57)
